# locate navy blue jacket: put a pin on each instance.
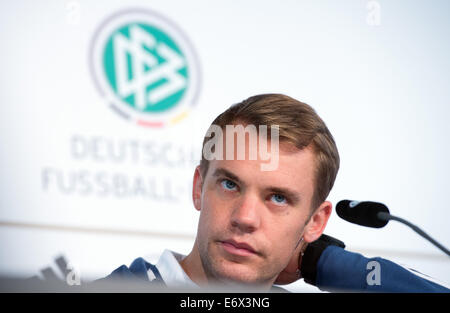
(341, 270)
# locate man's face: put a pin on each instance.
(251, 220)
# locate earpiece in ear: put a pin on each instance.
(300, 241)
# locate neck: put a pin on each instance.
(192, 266)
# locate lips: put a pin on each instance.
(238, 248)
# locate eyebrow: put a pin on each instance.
(223, 172)
(292, 195)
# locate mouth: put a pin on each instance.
(238, 248)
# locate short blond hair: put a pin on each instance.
(299, 125)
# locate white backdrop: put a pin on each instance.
(80, 180)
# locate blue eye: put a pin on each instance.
(228, 184)
(279, 199)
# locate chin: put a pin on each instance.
(239, 274)
(231, 272)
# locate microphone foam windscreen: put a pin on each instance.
(362, 213)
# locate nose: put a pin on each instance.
(246, 214)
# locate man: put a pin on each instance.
(261, 217)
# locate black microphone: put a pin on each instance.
(376, 215)
(363, 213)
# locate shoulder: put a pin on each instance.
(139, 269)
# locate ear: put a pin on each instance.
(316, 225)
(197, 188)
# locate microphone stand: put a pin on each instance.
(387, 217)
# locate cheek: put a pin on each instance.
(285, 242)
(213, 213)
(284, 245)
